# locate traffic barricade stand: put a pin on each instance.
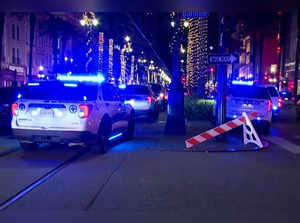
(249, 133)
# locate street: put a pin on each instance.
(152, 178)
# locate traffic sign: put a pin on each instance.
(222, 59)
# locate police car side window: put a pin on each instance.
(110, 93)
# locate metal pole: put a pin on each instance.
(222, 83)
(297, 59)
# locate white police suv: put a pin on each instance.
(243, 98)
(71, 112)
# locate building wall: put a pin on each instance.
(15, 48)
(16, 38)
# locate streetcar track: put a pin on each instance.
(39, 181)
(99, 192)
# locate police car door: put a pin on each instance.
(114, 106)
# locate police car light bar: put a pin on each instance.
(239, 82)
(81, 78)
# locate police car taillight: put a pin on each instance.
(14, 109)
(270, 105)
(149, 99)
(84, 111)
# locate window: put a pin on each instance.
(17, 32)
(13, 31)
(18, 57)
(13, 56)
(110, 93)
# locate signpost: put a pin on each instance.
(222, 59)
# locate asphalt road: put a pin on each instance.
(152, 179)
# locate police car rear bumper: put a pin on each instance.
(52, 136)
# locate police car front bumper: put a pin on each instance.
(52, 136)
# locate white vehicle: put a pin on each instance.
(247, 99)
(142, 100)
(69, 113)
(275, 97)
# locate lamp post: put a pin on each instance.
(89, 21)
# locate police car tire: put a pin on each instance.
(130, 129)
(102, 144)
(28, 146)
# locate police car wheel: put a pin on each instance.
(29, 146)
(102, 144)
(130, 129)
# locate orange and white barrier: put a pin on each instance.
(221, 129)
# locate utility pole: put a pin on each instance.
(222, 82)
(175, 121)
(297, 58)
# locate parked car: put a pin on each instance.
(70, 112)
(287, 97)
(161, 95)
(8, 96)
(249, 99)
(142, 99)
(276, 99)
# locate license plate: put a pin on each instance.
(48, 113)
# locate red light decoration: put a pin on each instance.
(278, 36)
(278, 50)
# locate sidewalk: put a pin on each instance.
(151, 137)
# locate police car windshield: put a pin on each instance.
(60, 91)
(249, 92)
(136, 89)
(272, 91)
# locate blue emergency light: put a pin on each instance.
(98, 78)
(240, 82)
(122, 86)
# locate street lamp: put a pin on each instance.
(127, 38)
(172, 24)
(89, 20)
(186, 24)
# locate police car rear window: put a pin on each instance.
(60, 91)
(249, 92)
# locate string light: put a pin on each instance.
(132, 70)
(110, 60)
(123, 67)
(197, 55)
(100, 57)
